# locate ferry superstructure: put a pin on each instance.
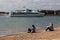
(26, 13)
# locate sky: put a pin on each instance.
(9, 5)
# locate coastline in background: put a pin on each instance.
(47, 12)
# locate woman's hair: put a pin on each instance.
(33, 26)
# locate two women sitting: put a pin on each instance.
(33, 30)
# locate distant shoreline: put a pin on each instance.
(47, 13)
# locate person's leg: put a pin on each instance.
(47, 29)
(51, 30)
(33, 31)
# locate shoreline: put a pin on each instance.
(39, 35)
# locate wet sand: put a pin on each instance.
(39, 35)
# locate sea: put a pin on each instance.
(9, 25)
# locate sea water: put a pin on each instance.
(10, 25)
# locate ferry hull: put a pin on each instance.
(30, 15)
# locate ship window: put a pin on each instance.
(19, 13)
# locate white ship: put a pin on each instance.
(26, 13)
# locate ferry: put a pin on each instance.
(26, 13)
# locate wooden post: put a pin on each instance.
(47, 11)
(54, 12)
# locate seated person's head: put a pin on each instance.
(33, 26)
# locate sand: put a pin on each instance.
(39, 35)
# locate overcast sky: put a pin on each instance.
(9, 5)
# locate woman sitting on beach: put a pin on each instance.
(50, 28)
(33, 30)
